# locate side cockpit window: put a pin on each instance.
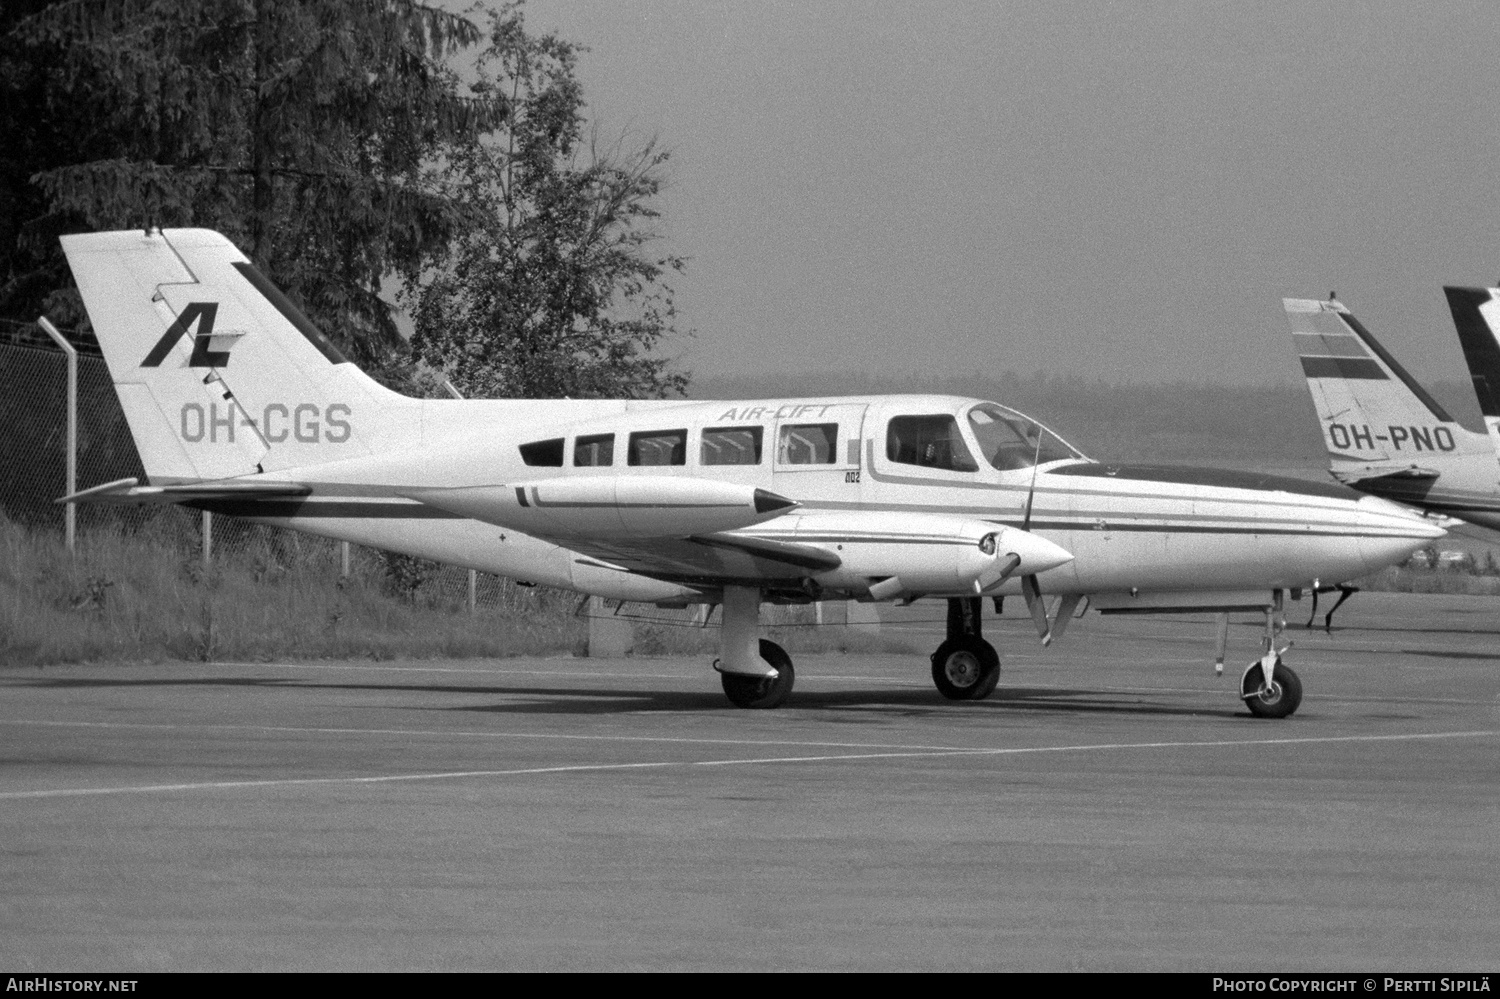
(594, 450)
(928, 441)
(730, 446)
(658, 447)
(547, 454)
(808, 444)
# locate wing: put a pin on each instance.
(130, 491)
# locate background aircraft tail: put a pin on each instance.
(1377, 421)
(1476, 314)
(219, 374)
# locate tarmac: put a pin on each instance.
(1112, 806)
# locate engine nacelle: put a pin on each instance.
(616, 506)
(902, 554)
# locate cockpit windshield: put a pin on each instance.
(1010, 440)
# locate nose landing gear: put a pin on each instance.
(1273, 698)
(1269, 689)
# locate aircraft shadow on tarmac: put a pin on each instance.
(1442, 654)
(574, 700)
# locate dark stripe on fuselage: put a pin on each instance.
(1342, 367)
(1121, 527)
(1215, 477)
(355, 510)
(1481, 353)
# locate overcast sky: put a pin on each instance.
(1122, 190)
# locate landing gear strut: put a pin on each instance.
(1269, 689)
(756, 673)
(965, 667)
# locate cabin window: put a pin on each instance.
(730, 446)
(658, 447)
(929, 441)
(808, 444)
(594, 450)
(548, 453)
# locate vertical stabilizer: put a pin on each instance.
(1476, 314)
(1376, 419)
(218, 373)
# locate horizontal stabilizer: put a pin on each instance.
(1367, 472)
(130, 491)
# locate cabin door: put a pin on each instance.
(815, 452)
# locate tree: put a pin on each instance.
(299, 128)
(548, 288)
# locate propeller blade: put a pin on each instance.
(1030, 588)
(1033, 594)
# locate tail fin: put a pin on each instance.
(218, 373)
(1476, 313)
(1377, 421)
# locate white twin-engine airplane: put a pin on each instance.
(240, 406)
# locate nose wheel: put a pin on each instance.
(966, 668)
(1277, 698)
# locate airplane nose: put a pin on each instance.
(1037, 553)
(1390, 533)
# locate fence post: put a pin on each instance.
(473, 590)
(344, 558)
(70, 516)
(208, 540)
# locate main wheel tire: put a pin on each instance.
(762, 692)
(965, 668)
(1280, 700)
(988, 683)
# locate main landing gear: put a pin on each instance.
(965, 667)
(1269, 689)
(761, 691)
(756, 673)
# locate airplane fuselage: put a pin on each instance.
(1130, 528)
